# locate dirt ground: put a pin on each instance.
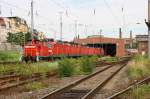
(120, 81)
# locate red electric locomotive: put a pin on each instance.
(38, 50)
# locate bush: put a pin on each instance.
(138, 67)
(94, 59)
(66, 67)
(86, 65)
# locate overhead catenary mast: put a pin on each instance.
(76, 29)
(32, 20)
(61, 25)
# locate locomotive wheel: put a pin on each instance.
(26, 59)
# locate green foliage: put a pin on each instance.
(34, 86)
(29, 69)
(140, 92)
(18, 38)
(136, 73)
(83, 65)
(66, 67)
(140, 58)
(86, 65)
(5, 69)
(138, 67)
(111, 59)
(9, 56)
(94, 59)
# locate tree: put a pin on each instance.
(18, 38)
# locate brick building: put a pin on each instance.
(142, 41)
(111, 46)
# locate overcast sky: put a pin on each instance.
(91, 16)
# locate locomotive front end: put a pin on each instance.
(30, 52)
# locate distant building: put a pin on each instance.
(130, 43)
(111, 46)
(13, 25)
(142, 42)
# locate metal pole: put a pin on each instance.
(76, 29)
(61, 25)
(32, 20)
(100, 36)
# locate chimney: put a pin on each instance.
(120, 33)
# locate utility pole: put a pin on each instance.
(32, 20)
(76, 29)
(100, 36)
(0, 8)
(148, 25)
(61, 25)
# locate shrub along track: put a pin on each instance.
(86, 88)
(133, 85)
(13, 80)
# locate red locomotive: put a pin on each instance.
(38, 50)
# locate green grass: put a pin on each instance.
(138, 67)
(111, 59)
(34, 86)
(29, 69)
(86, 65)
(140, 92)
(9, 56)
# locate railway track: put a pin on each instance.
(133, 85)
(87, 87)
(11, 81)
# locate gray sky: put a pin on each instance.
(91, 15)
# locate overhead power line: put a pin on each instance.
(26, 10)
(111, 11)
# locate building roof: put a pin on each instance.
(142, 38)
(98, 40)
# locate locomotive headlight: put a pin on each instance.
(50, 51)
